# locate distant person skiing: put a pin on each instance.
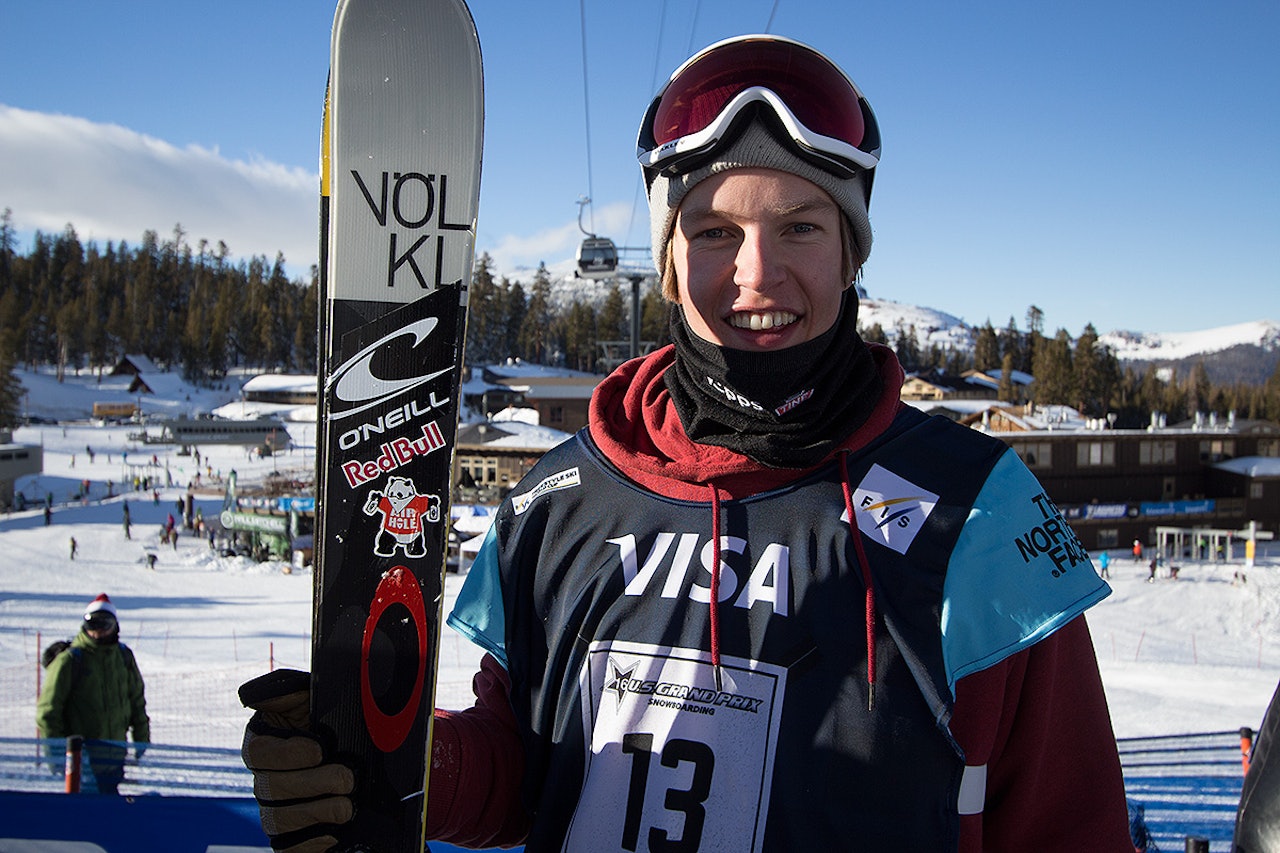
(127, 523)
(1137, 551)
(74, 548)
(1104, 564)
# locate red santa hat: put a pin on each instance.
(99, 605)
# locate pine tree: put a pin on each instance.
(1199, 389)
(612, 322)
(1007, 392)
(907, 347)
(1011, 343)
(1092, 378)
(11, 389)
(655, 315)
(874, 334)
(535, 331)
(483, 321)
(1052, 371)
(986, 348)
(1271, 396)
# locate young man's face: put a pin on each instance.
(758, 261)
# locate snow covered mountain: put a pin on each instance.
(1244, 352)
(1151, 346)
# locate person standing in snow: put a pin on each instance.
(805, 623)
(94, 689)
(1104, 565)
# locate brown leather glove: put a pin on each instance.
(300, 797)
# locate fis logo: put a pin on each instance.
(891, 510)
(354, 385)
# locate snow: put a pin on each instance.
(1153, 346)
(1197, 654)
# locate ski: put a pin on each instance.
(400, 183)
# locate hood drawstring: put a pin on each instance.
(715, 585)
(869, 601)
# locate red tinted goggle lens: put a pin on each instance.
(818, 93)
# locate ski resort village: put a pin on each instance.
(626, 499)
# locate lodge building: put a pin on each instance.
(1116, 486)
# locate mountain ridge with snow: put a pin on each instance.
(934, 326)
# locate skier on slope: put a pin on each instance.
(815, 619)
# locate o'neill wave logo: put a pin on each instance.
(891, 510)
(354, 381)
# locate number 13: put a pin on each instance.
(689, 802)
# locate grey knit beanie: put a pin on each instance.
(756, 147)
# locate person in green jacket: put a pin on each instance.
(94, 689)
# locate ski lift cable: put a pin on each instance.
(768, 27)
(653, 82)
(586, 111)
(693, 28)
(653, 86)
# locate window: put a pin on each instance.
(1269, 447)
(1157, 452)
(1036, 455)
(1217, 449)
(1108, 538)
(1255, 491)
(1093, 454)
(482, 469)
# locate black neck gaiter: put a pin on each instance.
(784, 409)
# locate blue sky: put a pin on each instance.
(1110, 162)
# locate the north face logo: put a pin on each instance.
(891, 510)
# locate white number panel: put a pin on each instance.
(676, 764)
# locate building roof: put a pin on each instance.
(305, 383)
(511, 435)
(517, 372)
(1252, 466)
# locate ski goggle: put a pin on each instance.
(811, 105)
(100, 622)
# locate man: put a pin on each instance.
(811, 618)
(94, 689)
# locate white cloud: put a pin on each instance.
(112, 183)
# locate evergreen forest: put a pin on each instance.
(78, 306)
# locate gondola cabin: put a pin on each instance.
(597, 258)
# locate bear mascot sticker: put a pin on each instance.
(403, 512)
